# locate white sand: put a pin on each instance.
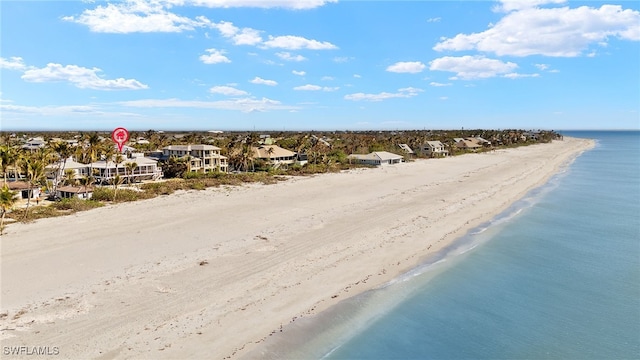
(125, 281)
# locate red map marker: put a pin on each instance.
(120, 136)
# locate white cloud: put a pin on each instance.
(50, 110)
(558, 32)
(81, 77)
(133, 16)
(357, 76)
(227, 90)
(244, 104)
(437, 84)
(327, 78)
(406, 67)
(518, 76)
(401, 93)
(435, 19)
(291, 42)
(13, 63)
(287, 4)
(542, 67)
(299, 73)
(310, 87)
(261, 81)
(342, 59)
(472, 67)
(244, 36)
(511, 5)
(215, 56)
(289, 57)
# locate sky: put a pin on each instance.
(297, 65)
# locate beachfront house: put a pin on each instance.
(60, 168)
(78, 192)
(201, 157)
(435, 149)
(407, 149)
(134, 167)
(468, 144)
(22, 189)
(274, 154)
(377, 158)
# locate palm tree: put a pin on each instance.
(117, 181)
(7, 201)
(131, 168)
(64, 151)
(107, 152)
(93, 141)
(69, 177)
(8, 158)
(34, 171)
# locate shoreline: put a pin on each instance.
(216, 279)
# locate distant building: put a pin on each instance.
(406, 149)
(377, 158)
(435, 149)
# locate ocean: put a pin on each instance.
(556, 276)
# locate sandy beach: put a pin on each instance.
(212, 274)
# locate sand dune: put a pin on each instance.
(211, 274)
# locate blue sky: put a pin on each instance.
(319, 65)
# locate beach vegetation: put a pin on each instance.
(7, 201)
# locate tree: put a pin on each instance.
(130, 167)
(7, 201)
(8, 158)
(34, 171)
(107, 152)
(64, 151)
(93, 140)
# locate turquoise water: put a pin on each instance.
(555, 277)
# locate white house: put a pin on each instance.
(377, 158)
(435, 149)
(406, 148)
(202, 157)
(79, 192)
(145, 169)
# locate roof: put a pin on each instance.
(262, 152)
(377, 155)
(75, 189)
(17, 185)
(190, 147)
(435, 143)
(406, 148)
(469, 143)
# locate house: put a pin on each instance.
(34, 144)
(482, 141)
(79, 192)
(145, 169)
(435, 149)
(202, 157)
(274, 154)
(22, 189)
(79, 170)
(377, 158)
(468, 144)
(406, 149)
